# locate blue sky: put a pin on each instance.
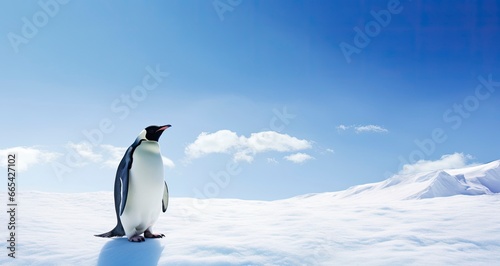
(264, 102)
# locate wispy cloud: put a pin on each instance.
(343, 127)
(85, 151)
(28, 156)
(370, 128)
(167, 162)
(113, 155)
(448, 161)
(329, 151)
(104, 155)
(272, 161)
(298, 157)
(244, 148)
(363, 128)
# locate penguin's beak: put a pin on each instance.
(163, 128)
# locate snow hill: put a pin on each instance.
(475, 180)
(447, 217)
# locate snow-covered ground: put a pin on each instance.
(448, 217)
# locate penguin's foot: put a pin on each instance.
(148, 234)
(136, 239)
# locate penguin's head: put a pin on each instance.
(153, 133)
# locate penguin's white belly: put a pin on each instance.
(145, 190)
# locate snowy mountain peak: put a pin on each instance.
(443, 184)
(472, 180)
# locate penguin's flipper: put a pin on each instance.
(121, 183)
(164, 201)
(122, 178)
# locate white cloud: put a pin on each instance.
(272, 161)
(85, 151)
(243, 156)
(28, 156)
(448, 161)
(343, 127)
(221, 141)
(104, 155)
(298, 157)
(244, 148)
(370, 128)
(274, 141)
(363, 128)
(330, 150)
(167, 162)
(114, 155)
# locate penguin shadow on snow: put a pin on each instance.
(120, 251)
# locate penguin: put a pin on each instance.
(140, 191)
